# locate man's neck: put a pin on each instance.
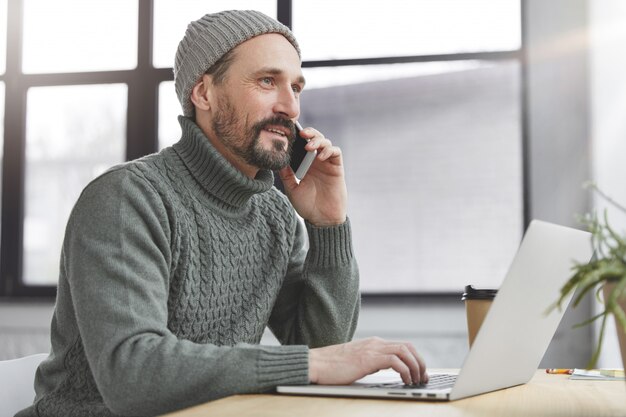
(235, 160)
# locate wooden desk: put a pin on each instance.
(544, 395)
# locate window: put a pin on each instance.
(354, 29)
(169, 109)
(66, 122)
(67, 145)
(76, 35)
(171, 18)
(433, 165)
(427, 109)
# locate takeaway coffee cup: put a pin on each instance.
(477, 303)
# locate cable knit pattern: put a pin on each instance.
(77, 395)
(172, 267)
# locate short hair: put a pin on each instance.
(218, 70)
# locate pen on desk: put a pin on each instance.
(559, 371)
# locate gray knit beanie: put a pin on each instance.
(211, 37)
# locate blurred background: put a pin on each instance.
(460, 121)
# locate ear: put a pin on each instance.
(201, 95)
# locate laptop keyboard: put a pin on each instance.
(437, 381)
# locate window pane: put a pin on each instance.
(3, 35)
(169, 109)
(78, 35)
(171, 18)
(328, 29)
(433, 165)
(68, 143)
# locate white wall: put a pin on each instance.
(608, 118)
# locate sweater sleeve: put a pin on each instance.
(117, 260)
(319, 302)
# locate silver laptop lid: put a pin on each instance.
(516, 332)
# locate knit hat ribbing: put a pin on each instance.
(211, 37)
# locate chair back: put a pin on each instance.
(17, 383)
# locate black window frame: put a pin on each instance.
(142, 126)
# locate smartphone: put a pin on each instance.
(301, 159)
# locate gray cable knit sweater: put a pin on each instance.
(171, 268)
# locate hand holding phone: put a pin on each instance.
(322, 200)
(301, 159)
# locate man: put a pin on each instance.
(174, 264)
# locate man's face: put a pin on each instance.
(256, 105)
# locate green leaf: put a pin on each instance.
(607, 265)
(596, 353)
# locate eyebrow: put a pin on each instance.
(276, 71)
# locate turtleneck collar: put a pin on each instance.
(223, 183)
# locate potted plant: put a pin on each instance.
(605, 274)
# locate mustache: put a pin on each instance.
(276, 121)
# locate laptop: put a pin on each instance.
(514, 335)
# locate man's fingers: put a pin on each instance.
(288, 178)
(324, 147)
(396, 353)
(394, 362)
(403, 352)
(318, 143)
(341, 364)
(310, 133)
(328, 153)
(420, 360)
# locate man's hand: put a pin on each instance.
(345, 363)
(321, 197)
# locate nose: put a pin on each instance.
(287, 104)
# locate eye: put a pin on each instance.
(267, 81)
(296, 89)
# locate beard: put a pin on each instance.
(245, 142)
